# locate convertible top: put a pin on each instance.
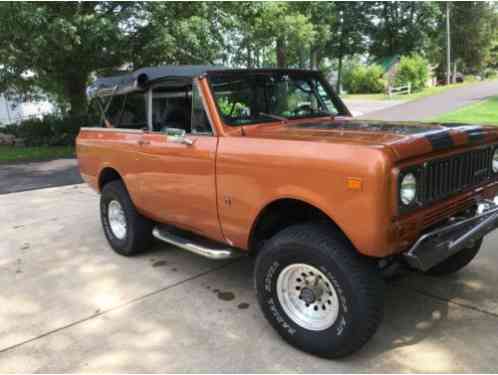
(180, 75)
(141, 78)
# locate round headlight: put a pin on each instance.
(494, 164)
(408, 189)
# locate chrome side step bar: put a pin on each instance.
(195, 244)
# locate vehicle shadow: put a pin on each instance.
(412, 319)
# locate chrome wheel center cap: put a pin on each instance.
(307, 295)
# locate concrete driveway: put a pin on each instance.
(69, 304)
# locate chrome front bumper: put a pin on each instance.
(436, 246)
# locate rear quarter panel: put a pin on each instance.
(99, 148)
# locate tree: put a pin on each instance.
(179, 33)
(401, 28)
(277, 27)
(55, 47)
(473, 28)
(246, 43)
(349, 32)
(321, 15)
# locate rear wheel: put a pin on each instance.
(456, 262)
(317, 292)
(126, 230)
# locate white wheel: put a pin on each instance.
(117, 219)
(307, 297)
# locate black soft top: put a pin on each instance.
(175, 74)
(141, 78)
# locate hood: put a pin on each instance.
(406, 139)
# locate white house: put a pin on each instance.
(12, 112)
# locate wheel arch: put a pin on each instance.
(283, 212)
(106, 175)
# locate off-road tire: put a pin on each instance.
(356, 280)
(456, 262)
(139, 229)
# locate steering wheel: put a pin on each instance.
(303, 108)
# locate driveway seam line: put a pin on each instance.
(125, 304)
(462, 305)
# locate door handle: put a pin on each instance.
(188, 141)
(143, 142)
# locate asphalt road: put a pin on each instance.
(361, 107)
(432, 106)
(70, 304)
(19, 176)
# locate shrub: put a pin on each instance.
(414, 69)
(471, 78)
(52, 130)
(490, 73)
(9, 129)
(363, 79)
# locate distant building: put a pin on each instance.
(8, 111)
(12, 112)
(390, 66)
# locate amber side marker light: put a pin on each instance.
(354, 183)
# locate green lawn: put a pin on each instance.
(485, 112)
(11, 153)
(417, 95)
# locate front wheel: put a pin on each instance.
(317, 292)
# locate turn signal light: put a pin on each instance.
(354, 183)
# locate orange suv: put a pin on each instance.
(269, 162)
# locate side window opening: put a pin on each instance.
(127, 111)
(134, 115)
(171, 108)
(95, 117)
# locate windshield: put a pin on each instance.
(258, 97)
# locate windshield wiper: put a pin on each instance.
(276, 117)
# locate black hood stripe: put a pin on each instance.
(440, 140)
(438, 135)
(477, 135)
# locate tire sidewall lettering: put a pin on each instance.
(339, 290)
(269, 276)
(280, 317)
(105, 219)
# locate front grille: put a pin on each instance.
(441, 178)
